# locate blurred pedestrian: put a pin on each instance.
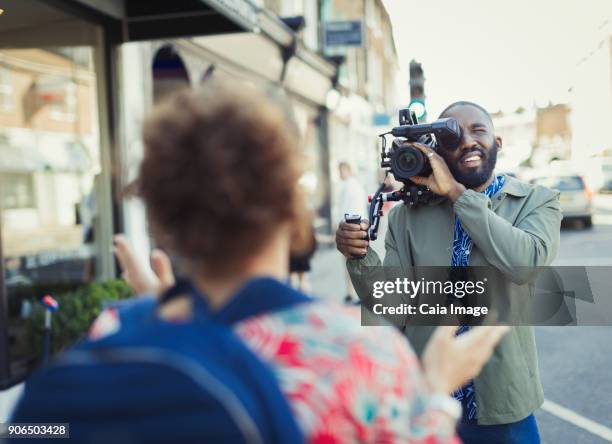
(352, 197)
(352, 200)
(299, 266)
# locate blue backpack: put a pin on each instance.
(159, 382)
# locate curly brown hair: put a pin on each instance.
(220, 174)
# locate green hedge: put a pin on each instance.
(77, 310)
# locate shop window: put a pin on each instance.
(315, 179)
(54, 240)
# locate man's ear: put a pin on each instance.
(499, 142)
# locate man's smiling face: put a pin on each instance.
(472, 163)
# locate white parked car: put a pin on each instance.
(576, 198)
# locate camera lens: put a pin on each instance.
(407, 161)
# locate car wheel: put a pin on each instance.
(587, 222)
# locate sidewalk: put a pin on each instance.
(327, 275)
(327, 279)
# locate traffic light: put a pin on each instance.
(417, 90)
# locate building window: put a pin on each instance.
(6, 90)
(65, 110)
(16, 191)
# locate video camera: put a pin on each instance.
(404, 160)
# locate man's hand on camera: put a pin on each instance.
(352, 239)
(441, 180)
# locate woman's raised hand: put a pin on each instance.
(143, 278)
(450, 361)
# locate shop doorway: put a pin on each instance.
(169, 73)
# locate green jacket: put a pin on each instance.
(519, 226)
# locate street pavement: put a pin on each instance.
(575, 362)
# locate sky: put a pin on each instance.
(501, 54)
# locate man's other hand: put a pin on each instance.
(352, 239)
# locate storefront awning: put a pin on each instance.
(133, 19)
(167, 19)
(242, 33)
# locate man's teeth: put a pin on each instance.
(471, 158)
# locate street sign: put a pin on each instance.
(346, 33)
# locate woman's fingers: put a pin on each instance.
(123, 252)
(450, 361)
(162, 267)
(480, 342)
(137, 275)
(495, 335)
(444, 332)
(486, 336)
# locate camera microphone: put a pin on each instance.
(447, 131)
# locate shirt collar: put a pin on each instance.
(495, 186)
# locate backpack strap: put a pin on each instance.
(255, 297)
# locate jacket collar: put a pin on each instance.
(515, 187)
(511, 186)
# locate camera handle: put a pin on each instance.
(376, 204)
(411, 194)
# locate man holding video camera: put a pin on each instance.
(478, 218)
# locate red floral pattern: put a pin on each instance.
(346, 383)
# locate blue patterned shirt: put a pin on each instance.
(462, 248)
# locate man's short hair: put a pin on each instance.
(466, 103)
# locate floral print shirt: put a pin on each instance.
(346, 383)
